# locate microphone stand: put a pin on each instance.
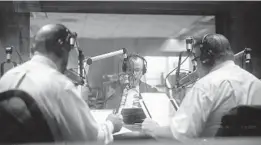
(90, 60)
(3, 66)
(178, 70)
(8, 60)
(80, 65)
(74, 43)
(84, 64)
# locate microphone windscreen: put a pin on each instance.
(189, 44)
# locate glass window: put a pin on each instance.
(159, 66)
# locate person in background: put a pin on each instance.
(66, 113)
(126, 91)
(221, 87)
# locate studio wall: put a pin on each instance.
(238, 21)
(14, 31)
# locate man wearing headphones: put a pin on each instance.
(127, 94)
(66, 113)
(221, 87)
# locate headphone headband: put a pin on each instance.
(204, 38)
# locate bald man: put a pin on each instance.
(221, 87)
(66, 113)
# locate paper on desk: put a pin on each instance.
(159, 107)
(122, 131)
(100, 117)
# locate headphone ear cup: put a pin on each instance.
(206, 56)
(124, 67)
(144, 70)
(203, 56)
(124, 64)
(60, 42)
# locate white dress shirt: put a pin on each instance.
(225, 87)
(66, 112)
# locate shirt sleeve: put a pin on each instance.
(76, 121)
(189, 120)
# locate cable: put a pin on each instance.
(20, 41)
(86, 78)
(21, 60)
(173, 71)
(187, 86)
(185, 70)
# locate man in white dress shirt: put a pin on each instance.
(66, 113)
(221, 87)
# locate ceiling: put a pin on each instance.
(97, 26)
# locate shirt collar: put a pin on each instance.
(44, 60)
(224, 64)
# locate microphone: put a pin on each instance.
(104, 56)
(248, 61)
(248, 55)
(8, 64)
(73, 39)
(8, 51)
(189, 44)
(189, 47)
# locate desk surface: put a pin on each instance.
(218, 141)
(135, 134)
(128, 132)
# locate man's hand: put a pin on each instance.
(149, 126)
(117, 121)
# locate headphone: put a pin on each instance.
(69, 39)
(211, 50)
(63, 40)
(206, 55)
(126, 60)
